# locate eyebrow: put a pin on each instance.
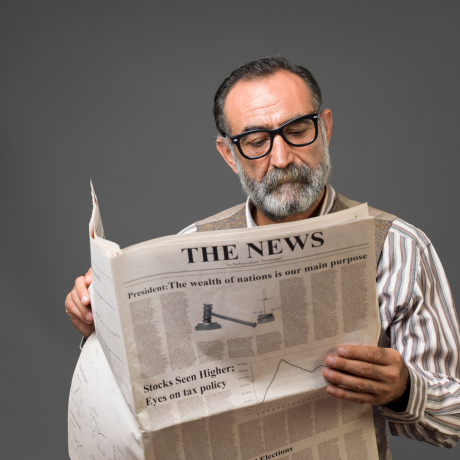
(256, 127)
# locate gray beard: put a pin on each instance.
(285, 192)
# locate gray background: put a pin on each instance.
(122, 92)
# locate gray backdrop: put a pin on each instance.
(122, 92)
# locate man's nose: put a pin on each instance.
(281, 154)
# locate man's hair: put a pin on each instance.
(262, 68)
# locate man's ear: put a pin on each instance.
(224, 149)
(326, 116)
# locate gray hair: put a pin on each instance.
(261, 68)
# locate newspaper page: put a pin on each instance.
(212, 345)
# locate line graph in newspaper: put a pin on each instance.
(289, 374)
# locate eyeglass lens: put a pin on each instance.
(298, 132)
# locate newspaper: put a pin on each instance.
(211, 345)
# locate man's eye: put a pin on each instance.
(296, 132)
(257, 143)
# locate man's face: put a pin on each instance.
(289, 178)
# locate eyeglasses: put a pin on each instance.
(258, 143)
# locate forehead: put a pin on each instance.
(267, 102)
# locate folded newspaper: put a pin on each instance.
(211, 346)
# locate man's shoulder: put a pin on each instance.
(234, 216)
(373, 212)
(228, 213)
(410, 233)
(396, 226)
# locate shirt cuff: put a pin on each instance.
(82, 343)
(417, 401)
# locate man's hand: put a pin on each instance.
(369, 375)
(78, 306)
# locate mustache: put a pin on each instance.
(291, 174)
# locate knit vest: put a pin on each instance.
(236, 218)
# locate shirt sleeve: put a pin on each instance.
(416, 303)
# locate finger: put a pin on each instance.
(74, 307)
(350, 395)
(86, 313)
(89, 277)
(369, 354)
(360, 368)
(83, 328)
(351, 382)
(76, 318)
(82, 290)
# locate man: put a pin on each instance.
(273, 136)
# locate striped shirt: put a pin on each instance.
(416, 303)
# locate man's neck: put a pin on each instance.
(313, 211)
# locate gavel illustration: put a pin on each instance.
(208, 325)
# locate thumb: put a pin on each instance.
(89, 277)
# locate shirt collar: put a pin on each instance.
(326, 205)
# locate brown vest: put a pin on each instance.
(236, 218)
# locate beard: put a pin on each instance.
(285, 192)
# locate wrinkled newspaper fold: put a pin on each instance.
(211, 345)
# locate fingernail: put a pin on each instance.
(331, 390)
(342, 351)
(328, 373)
(330, 361)
(89, 316)
(84, 299)
(88, 279)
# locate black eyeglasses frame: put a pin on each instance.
(273, 132)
